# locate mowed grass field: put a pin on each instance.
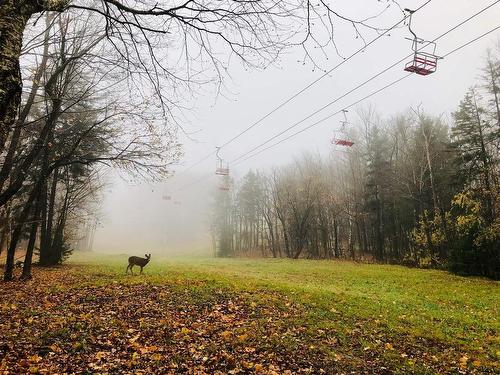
(203, 315)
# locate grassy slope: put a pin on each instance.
(454, 311)
(240, 316)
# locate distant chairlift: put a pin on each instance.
(342, 142)
(343, 125)
(221, 169)
(424, 61)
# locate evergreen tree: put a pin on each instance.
(473, 136)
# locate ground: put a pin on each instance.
(232, 316)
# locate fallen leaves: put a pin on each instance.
(141, 329)
(183, 327)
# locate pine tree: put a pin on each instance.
(473, 136)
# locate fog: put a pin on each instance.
(134, 218)
(151, 217)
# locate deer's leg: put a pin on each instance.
(141, 270)
(126, 271)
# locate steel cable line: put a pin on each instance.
(358, 101)
(363, 83)
(349, 106)
(366, 97)
(192, 183)
(307, 87)
(325, 118)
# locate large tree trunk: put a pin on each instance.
(16, 135)
(14, 15)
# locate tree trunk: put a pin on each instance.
(11, 252)
(336, 234)
(16, 135)
(14, 15)
(5, 228)
(28, 259)
(379, 240)
(56, 254)
(50, 214)
(46, 238)
(3, 238)
(43, 220)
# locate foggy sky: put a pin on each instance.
(136, 219)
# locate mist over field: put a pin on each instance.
(138, 218)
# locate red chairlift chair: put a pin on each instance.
(423, 62)
(343, 124)
(342, 142)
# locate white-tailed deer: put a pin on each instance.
(137, 261)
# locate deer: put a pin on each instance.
(137, 261)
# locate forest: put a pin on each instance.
(414, 189)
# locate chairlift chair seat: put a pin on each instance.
(342, 142)
(222, 171)
(422, 64)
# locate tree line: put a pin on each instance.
(413, 190)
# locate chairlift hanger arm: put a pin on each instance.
(344, 112)
(217, 150)
(409, 23)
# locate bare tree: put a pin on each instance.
(74, 127)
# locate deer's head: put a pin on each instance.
(148, 256)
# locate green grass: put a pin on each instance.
(456, 311)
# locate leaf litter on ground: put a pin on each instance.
(58, 324)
